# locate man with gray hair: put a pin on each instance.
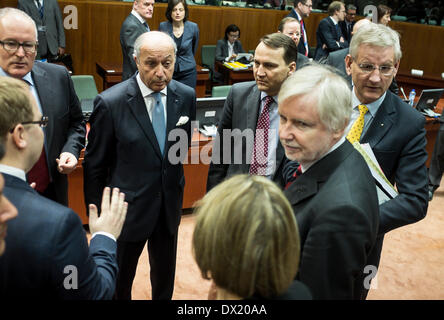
(333, 193)
(128, 148)
(393, 129)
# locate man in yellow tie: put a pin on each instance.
(394, 130)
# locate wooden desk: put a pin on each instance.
(196, 172)
(409, 82)
(111, 74)
(232, 76)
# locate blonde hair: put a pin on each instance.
(333, 95)
(246, 238)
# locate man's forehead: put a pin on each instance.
(379, 52)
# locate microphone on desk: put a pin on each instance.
(403, 93)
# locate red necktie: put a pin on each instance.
(303, 37)
(294, 176)
(39, 173)
(259, 161)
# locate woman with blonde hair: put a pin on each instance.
(246, 240)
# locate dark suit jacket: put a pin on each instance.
(42, 241)
(188, 47)
(131, 29)
(337, 59)
(66, 130)
(222, 49)
(241, 111)
(301, 46)
(336, 208)
(301, 61)
(397, 137)
(123, 152)
(54, 37)
(328, 35)
(346, 32)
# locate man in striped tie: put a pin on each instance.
(333, 195)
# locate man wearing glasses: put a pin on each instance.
(394, 130)
(301, 10)
(53, 89)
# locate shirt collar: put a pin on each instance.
(145, 90)
(372, 107)
(263, 95)
(138, 16)
(13, 171)
(27, 77)
(333, 19)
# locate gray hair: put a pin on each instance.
(146, 37)
(334, 104)
(377, 35)
(4, 12)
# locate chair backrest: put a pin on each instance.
(208, 54)
(220, 91)
(85, 86)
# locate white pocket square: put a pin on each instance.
(182, 121)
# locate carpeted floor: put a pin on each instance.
(411, 264)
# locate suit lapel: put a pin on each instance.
(173, 110)
(253, 106)
(381, 124)
(46, 94)
(136, 104)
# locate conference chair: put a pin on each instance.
(86, 90)
(220, 91)
(208, 54)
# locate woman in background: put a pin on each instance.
(228, 47)
(246, 240)
(186, 35)
(384, 14)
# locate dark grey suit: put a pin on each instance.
(222, 49)
(301, 61)
(301, 46)
(328, 34)
(336, 207)
(123, 151)
(44, 243)
(66, 130)
(131, 29)
(241, 111)
(54, 37)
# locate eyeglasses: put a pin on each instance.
(13, 46)
(234, 36)
(43, 122)
(369, 68)
(308, 6)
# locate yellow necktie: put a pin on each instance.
(356, 130)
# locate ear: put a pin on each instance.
(18, 137)
(348, 63)
(291, 67)
(396, 68)
(136, 60)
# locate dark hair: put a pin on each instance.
(285, 20)
(231, 28)
(383, 10)
(280, 40)
(171, 5)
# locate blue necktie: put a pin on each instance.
(146, 26)
(158, 121)
(338, 31)
(40, 7)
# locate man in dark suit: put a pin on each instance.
(301, 10)
(292, 28)
(348, 23)
(53, 89)
(337, 59)
(48, 18)
(393, 129)
(329, 37)
(333, 193)
(47, 254)
(128, 147)
(250, 112)
(133, 26)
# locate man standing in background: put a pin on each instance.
(301, 10)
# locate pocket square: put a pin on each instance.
(182, 121)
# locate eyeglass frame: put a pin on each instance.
(20, 44)
(43, 122)
(360, 65)
(308, 6)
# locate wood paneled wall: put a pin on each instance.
(97, 36)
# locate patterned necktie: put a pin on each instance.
(40, 7)
(304, 39)
(158, 121)
(259, 161)
(296, 174)
(356, 130)
(146, 26)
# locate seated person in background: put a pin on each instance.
(384, 14)
(228, 47)
(291, 27)
(246, 240)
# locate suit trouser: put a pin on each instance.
(162, 248)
